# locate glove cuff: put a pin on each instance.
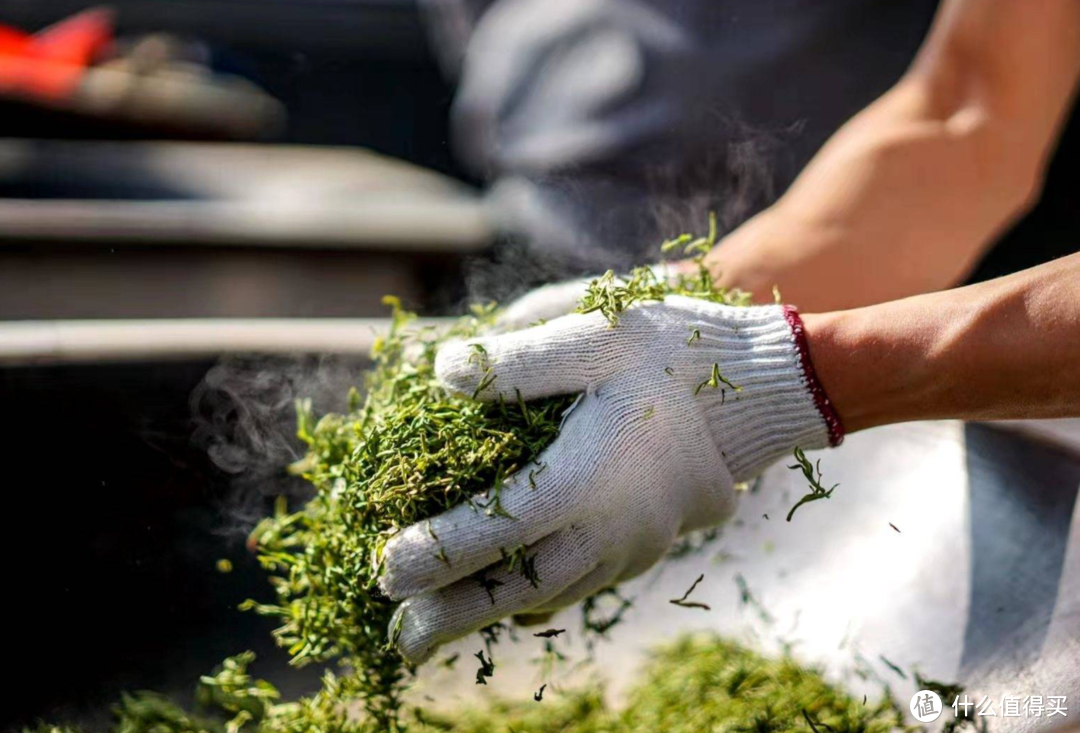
(780, 403)
(817, 391)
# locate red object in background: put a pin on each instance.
(12, 41)
(49, 64)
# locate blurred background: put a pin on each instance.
(179, 167)
(231, 159)
(202, 203)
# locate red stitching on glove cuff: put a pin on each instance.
(821, 400)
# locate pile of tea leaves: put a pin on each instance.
(697, 683)
(407, 451)
(404, 452)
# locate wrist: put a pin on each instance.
(833, 424)
(875, 365)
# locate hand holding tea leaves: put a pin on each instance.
(608, 498)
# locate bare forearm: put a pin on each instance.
(905, 198)
(895, 205)
(1004, 349)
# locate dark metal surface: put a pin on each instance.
(156, 230)
(122, 490)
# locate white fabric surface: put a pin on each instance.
(981, 586)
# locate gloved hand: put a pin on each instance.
(543, 304)
(681, 400)
(557, 299)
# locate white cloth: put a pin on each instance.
(842, 587)
(644, 456)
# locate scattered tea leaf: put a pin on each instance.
(817, 491)
(549, 633)
(892, 666)
(690, 604)
(487, 668)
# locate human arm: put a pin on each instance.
(1000, 350)
(655, 446)
(901, 202)
(905, 197)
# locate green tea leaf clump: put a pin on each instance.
(698, 683)
(404, 452)
(408, 451)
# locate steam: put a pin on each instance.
(581, 223)
(245, 420)
(735, 181)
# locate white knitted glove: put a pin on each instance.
(543, 304)
(652, 450)
(558, 299)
